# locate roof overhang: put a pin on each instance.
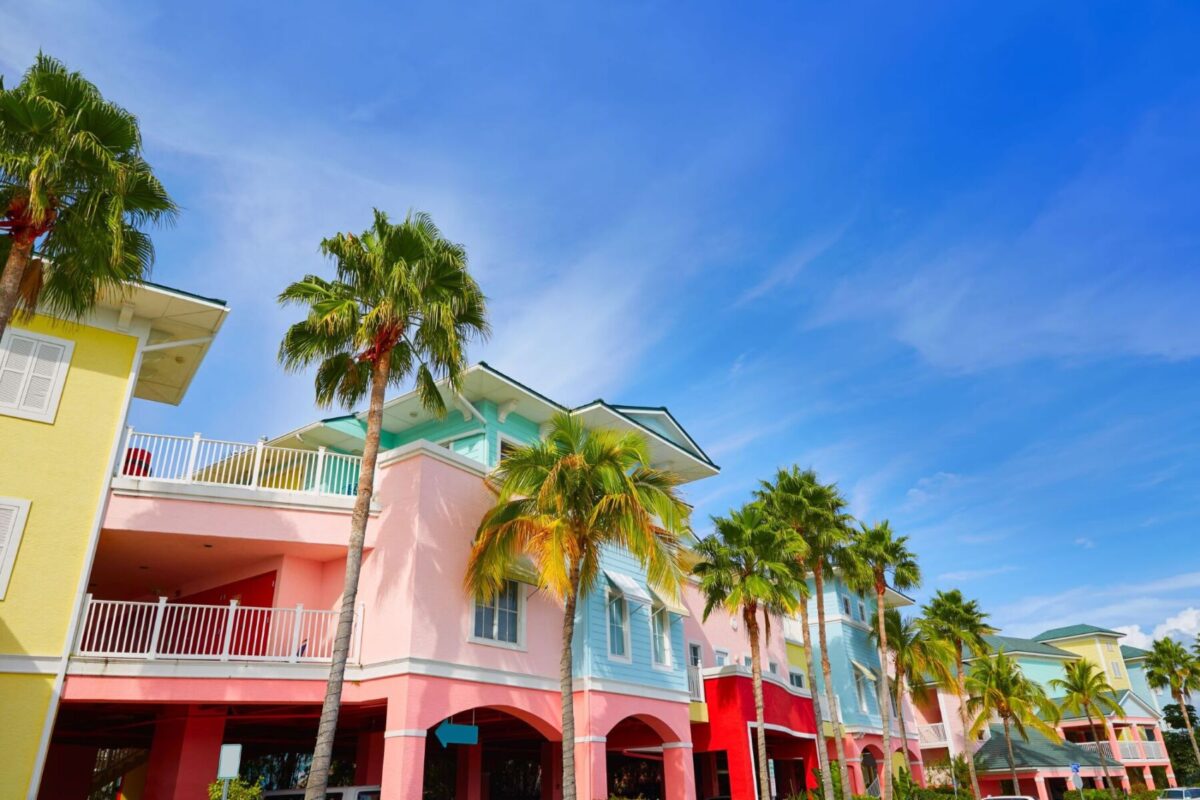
(664, 452)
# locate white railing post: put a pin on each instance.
(156, 629)
(233, 606)
(192, 456)
(258, 454)
(358, 634)
(294, 654)
(316, 488)
(124, 457)
(84, 618)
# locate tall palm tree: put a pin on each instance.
(816, 513)
(746, 567)
(913, 655)
(1087, 691)
(402, 305)
(561, 501)
(996, 687)
(73, 185)
(1170, 666)
(876, 553)
(959, 623)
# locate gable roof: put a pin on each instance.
(1072, 631)
(1130, 653)
(1124, 697)
(1032, 647)
(1037, 751)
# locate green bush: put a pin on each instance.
(238, 790)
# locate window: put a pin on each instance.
(1116, 669)
(618, 626)
(507, 447)
(796, 679)
(721, 658)
(773, 668)
(499, 620)
(860, 688)
(1111, 647)
(862, 611)
(846, 605)
(895, 710)
(747, 662)
(660, 636)
(695, 654)
(13, 513)
(33, 369)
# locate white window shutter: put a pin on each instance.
(13, 513)
(33, 369)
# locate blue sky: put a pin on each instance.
(947, 256)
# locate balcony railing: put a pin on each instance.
(1130, 751)
(932, 734)
(1104, 748)
(1154, 751)
(147, 631)
(695, 683)
(193, 459)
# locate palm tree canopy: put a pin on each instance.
(813, 510)
(875, 553)
(954, 619)
(1086, 691)
(562, 499)
(916, 656)
(73, 180)
(749, 562)
(1170, 666)
(403, 290)
(996, 686)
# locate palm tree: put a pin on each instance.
(402, 305)
(561, 501)
(1087, 691)
(996, 687)
(1170, 666)
(875, 553)
(913, 654)
(749, 565)
(73, 184)
(816, 513)
(960, 624)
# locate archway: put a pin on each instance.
(871, 763)
(492, 752)
(635, 759)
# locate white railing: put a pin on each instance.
(1154, 751)
(873, 790)
(932, 734)
(192, 459)
(1104, 748)
(148, 631)
(1130, 751)
(695, 683)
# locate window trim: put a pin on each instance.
(700, 647)
(502, 439)
(720, 658)
(860, 689)
(9, 561)
(862, 610)
(517, 645)
(608, 598)
(795, 673)
(773, 667)
(669, 664)
(60, 378)
(846, 607)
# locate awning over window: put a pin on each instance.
(522, 571)
(626, 585)
(670, 603)
(866, 671)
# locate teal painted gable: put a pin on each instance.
(591, 653)
(1141, 687)
(1041, 670)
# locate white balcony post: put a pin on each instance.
(258, 454)
(358, 633)
(233, 606)
(192, 456)
(156, 629)
(85, 619)
(124, 451)
(320, 476)
(294, 655)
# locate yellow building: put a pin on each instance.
(1098, 645)
(65, 391)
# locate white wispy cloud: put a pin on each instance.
(1084, 542)
(965, 575)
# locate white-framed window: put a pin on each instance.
(507, 446)
(1116, 669)
(1111, 647)
(660, 636)
(747, 662)
(13, 513)
(618, 626)
(721, 657)
(501, 621)
(860, 688)
(773, 667)
(796, 679)
(846, 605)
(695, 654)
(33, 370)
(862, 611)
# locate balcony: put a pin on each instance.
(148, 631)
(933, 735)
(695, 683)
(1104, 748)
(199, 467)
(1154, 751)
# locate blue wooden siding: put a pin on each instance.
(848, 640)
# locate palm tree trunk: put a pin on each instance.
(1012, 764)
(811, 669)
(1100, 751)
(885, 711)
(19, 257)
(899, 690)
(960, 691)
(827, 673)
(566, 681)
(764, 782)
(1187, 723)
(318, 774)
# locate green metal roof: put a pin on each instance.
(1058, 701)
(1037, 751)
(1012, 644)
(1133, 653)
(1071, 631)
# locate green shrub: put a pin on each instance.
(238, 790)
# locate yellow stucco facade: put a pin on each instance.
(61, 469)
(1102, 650)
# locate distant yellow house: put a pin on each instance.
(65, 391)
(1098, 645)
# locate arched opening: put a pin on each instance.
(491, 752)
(635, 759)
(870, 769)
